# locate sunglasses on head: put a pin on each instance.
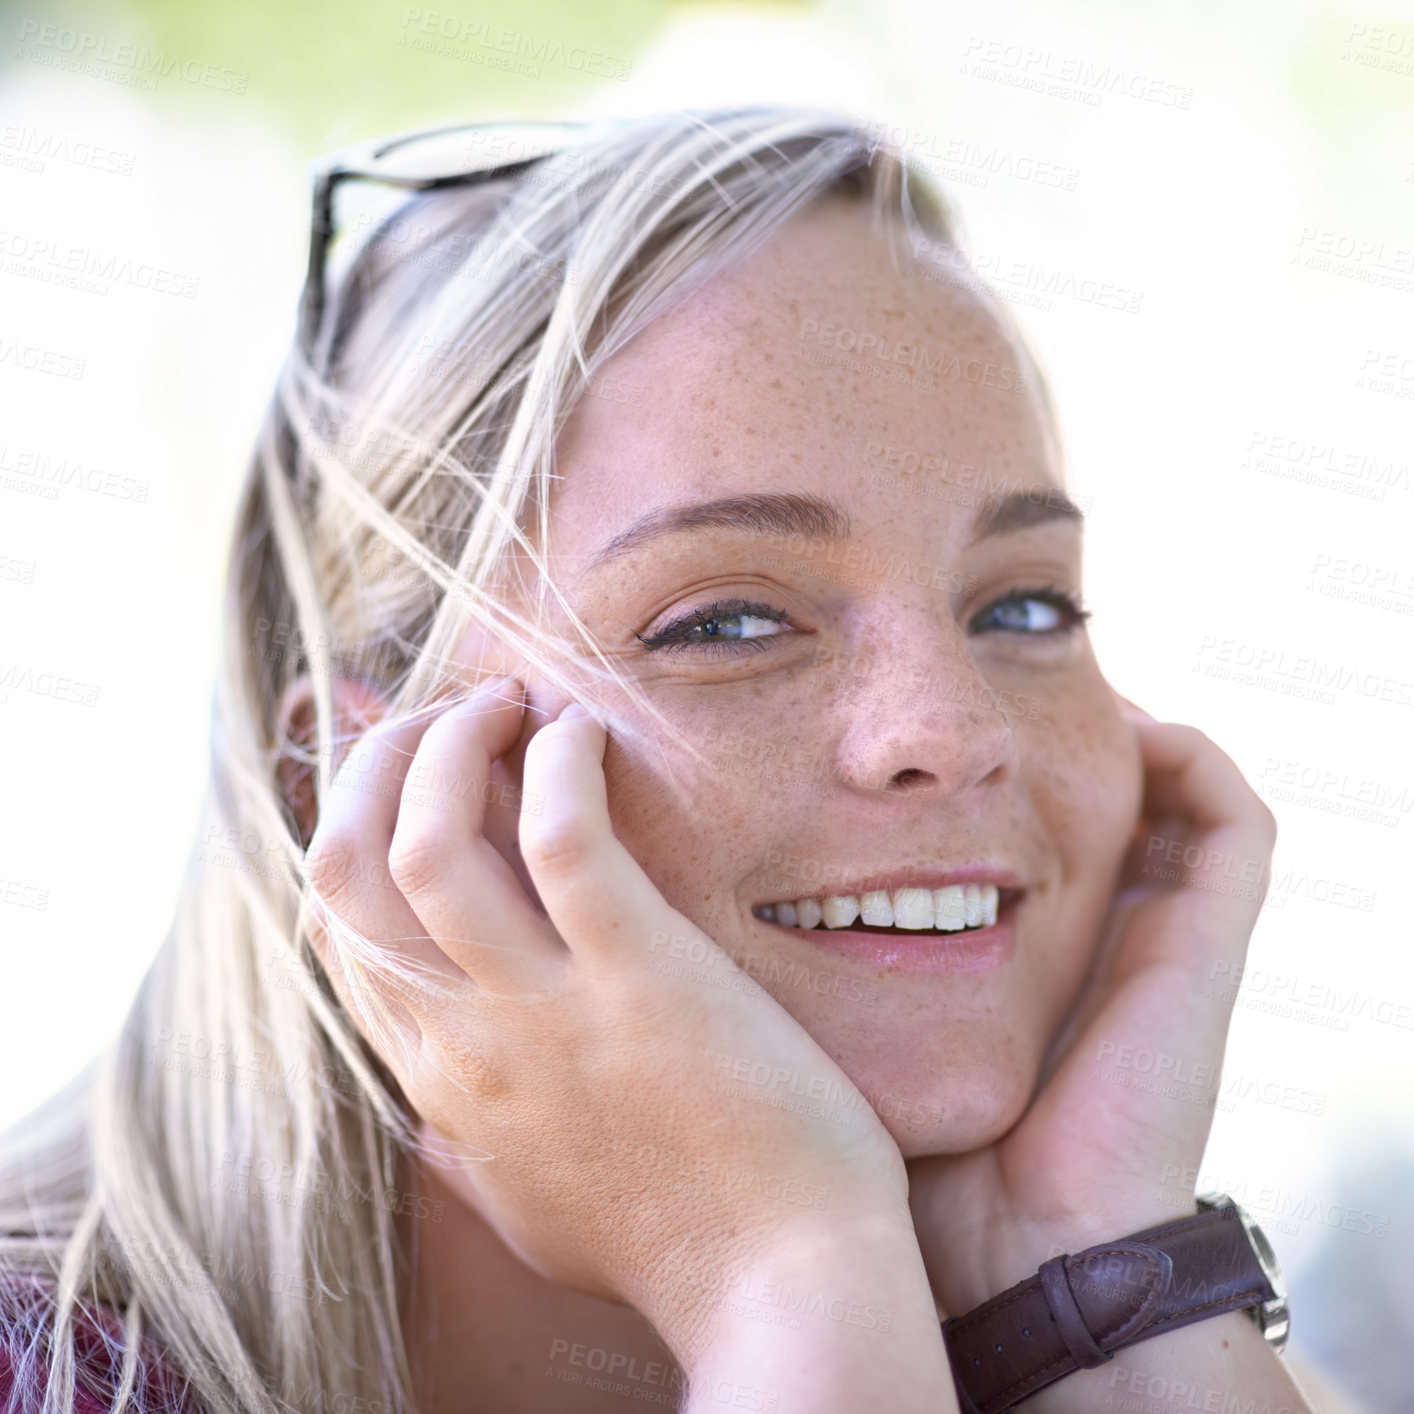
(423, 160)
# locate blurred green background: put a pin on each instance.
(336, 72)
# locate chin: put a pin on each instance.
(974, 1109)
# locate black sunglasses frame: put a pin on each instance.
(362, 163)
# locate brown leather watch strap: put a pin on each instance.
(1077, 1310)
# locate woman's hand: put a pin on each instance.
(636, 1133)
(1116, 1129)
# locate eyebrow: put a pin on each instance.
(1019, 510)
(820, 518)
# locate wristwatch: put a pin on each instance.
(1078, 1310)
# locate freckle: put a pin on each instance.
(775, 382)
(1224, 1345)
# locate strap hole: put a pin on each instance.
(1026, 1330)
(975, 1360)
(997, 1348)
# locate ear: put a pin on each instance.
(357, 706)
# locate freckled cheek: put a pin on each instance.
(1114, 781)
(696, 842)
(1102, 799)
(1088, 781)
(1087, 786)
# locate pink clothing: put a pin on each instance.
(98, 1357)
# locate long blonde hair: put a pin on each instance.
(224, 1178)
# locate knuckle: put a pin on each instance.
(482, 1076)
(334, 866)
(1201, 743)
(468, 1069)
(1255, 810)
(416, 862)
(559, 848)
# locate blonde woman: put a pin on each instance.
(679, 901)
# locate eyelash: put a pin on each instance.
(673, 636)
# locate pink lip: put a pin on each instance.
(977, 950)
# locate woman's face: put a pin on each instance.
(873, 717)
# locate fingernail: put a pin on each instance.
(573, 709)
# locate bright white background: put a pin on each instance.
(1220, 434)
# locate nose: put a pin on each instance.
(915, 712)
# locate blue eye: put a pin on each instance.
(1037, 613)
(735, 624)
(721, 627)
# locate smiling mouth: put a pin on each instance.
(957, 909)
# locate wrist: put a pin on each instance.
(1158, 1293)
(1015, 1246)
(1200, 1359)
(831, 1320)
(817, 1265)
(845, 1299)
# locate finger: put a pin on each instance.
(1191, 776)
(377, 1008)
(1210, 831)
(1200, 859)
(1208, 854)
(348, 868)
(1169, 946)
(458, 884)
(589, 884)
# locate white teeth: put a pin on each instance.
(876, 909)
(913, 908)
(946, 910)
(949, 905)
(974, 906)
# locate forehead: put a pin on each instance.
(822, 362)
